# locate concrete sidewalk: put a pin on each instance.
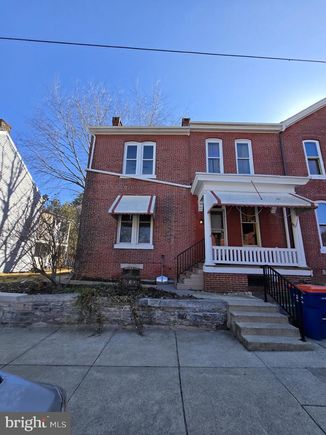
(172, 381)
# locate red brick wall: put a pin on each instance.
(265, 149)
(311, 127)
(225, 282)
(272, 228)
(172, 155)
(233, 226)
(176, 225)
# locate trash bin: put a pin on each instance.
(314, 310)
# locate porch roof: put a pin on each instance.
(132, 204)
(262, 199)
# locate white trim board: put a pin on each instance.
(150, 180)
(254, 270)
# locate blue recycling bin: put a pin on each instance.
(314, 310)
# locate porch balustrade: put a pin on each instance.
(252, 255)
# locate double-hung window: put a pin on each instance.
(139, 159)
(321, 221)
(135, 231)
(314, 158)
(250, 226)
(244, 158)
(214, 156)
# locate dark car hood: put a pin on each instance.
(20, 395)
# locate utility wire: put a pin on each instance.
(159, 50)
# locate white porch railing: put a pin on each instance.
(252, 255)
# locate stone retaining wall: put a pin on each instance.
(25, 310)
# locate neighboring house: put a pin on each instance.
(20, 205)
(255, 193)
(51, 240)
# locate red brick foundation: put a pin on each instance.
(225, 282)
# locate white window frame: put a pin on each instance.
(139, 159)
(134, 235)
(220, 144)
(322, 247)
(320, 157)
(223, 210)
(251, 159)
(257, 227)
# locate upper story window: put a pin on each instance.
(314, 158)
(244, 158)
(139, 159)
(321, 220)
(214, 156)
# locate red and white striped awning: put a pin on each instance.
(262, 199)
(131, 204)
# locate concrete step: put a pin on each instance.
(263, 328)
(198, 271)
(253, 306)
(272, 343)
(252, 316)
(181, 286)
(190, 281)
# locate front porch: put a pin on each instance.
(253, 255)
(251, 221)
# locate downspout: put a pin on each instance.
(91, 152)
(281, 142)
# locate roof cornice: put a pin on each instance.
(304, 113)
(254, 127)
(194, 127)
(210, 127)
(108, 130)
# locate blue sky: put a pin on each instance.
(202, 88)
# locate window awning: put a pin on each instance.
(131, 204)
(262, 199)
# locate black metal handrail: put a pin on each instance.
(190, 257)
(287, 295)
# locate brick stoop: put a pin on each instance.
(260, 326)
(225, 282)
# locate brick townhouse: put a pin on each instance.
(230, 195)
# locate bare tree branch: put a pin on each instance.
(59, 138)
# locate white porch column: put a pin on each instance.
(286, 227)
(297, 237)
(208, 230)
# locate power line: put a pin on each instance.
(160, 50)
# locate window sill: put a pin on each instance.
(323, 250)
(317, 177)
(132, 246)
(137, 176)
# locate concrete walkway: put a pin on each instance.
(172, 381)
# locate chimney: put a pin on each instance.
(4, 126)
(116, 121)
(185, 122)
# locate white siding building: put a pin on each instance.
(20, 204)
